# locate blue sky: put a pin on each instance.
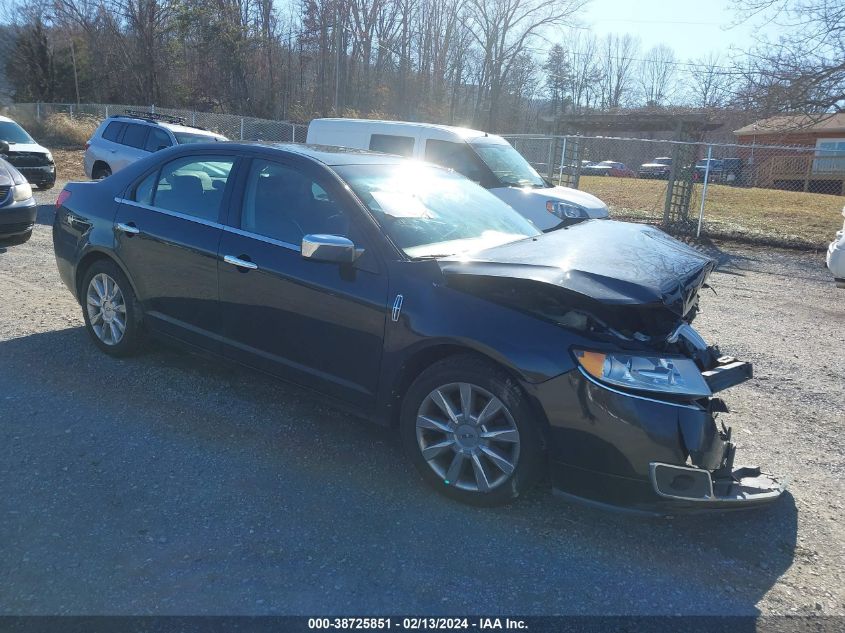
(691, 27)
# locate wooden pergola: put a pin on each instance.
(685, 129)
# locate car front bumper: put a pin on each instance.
(18, 218)
(39, 176)
(624, 450)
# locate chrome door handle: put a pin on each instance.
(240, 263)
(129, 229)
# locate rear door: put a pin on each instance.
(167, 232)
(133, 142)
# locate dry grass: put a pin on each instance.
(69, 164)
(61, 131)
(771, 216)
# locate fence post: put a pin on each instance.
(293, 132)
(242, 128)
(194, 118)
(551, 169)
(704, 190)
(107, 110)
(38, 111)
(70, 108)
(562, 159)
(153, 108)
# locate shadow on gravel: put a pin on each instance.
(46, 213)
(174, 475)
(726, 261)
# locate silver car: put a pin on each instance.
(124, 138)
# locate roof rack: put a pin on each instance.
(153, 117)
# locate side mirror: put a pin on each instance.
(329, 248)
(4, 147)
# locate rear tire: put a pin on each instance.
(101, 171)
(489, 450)
(111, 311)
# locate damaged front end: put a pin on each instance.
(709, 477)
(634, 424)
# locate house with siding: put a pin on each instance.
(805, 153)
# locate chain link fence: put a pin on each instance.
(229, 125)
(791, 195)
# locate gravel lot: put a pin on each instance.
(176, 484)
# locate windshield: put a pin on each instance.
(430, 212)
(508, 165)
(12, 133)
(184, 138)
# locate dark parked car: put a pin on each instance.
(17, 206)
(418, 299)
(34, 161)
(658, 168)
(729, 171)
(608, 168)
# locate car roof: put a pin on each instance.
(462, 132)
(326, 154)
(173, 127)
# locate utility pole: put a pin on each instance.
(75, 76)
(337, 38)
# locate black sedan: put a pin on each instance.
(17, 206)
(416, 298)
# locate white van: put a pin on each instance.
(485, 158)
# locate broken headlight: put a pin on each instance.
(670, 375)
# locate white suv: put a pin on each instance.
(124, 138)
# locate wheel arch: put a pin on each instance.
(425, 357)
(87, 260)
(99, 164)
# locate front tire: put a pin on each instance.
(110, 309)
(469, 430)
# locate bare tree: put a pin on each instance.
(657, 75)
(618, 53)
(504, 29)
(710, 83)
(804, 70)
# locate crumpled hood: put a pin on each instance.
(604, 262)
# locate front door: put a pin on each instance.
(168, 231)
(316, 323)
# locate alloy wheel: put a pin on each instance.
(468, 437)
(106, 309)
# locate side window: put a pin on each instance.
(389, 144)
(193, 185)
(285, 204)
(457, 156)
(158, 139)
(145, 189)
(113, 131)
(135, 135)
